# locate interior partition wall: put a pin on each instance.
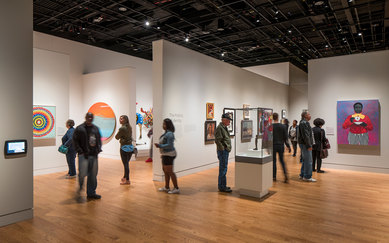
(184, 81)
(353, 77)
(16, 173)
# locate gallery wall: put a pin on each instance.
(16, 176)
(297, 80)
(118, 93)
(298, 93)
(184, 81)
(277, 71)
(352, 77)
(51, 88)
(86, 59)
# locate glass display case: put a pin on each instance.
(254, 135)
(253, 151)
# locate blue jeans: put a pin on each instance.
(71, 159)
(88, 167)
(223, 164)
(277, 148)
(306, 167)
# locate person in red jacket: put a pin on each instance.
(359, 125)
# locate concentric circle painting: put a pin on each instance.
(43, 122)
(104, 118)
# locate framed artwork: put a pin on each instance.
(105, 119)
(231, 127)
(283, 114)
(246, 112)
(358, 122)
(265, 118)
(209, 131)
(247, 129)
(210, 111)
(43, 122)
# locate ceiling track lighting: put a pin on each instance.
(220, 24)
(186, 38)
(147, 23)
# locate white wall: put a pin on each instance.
(277, 71)
(86, 59)
(352, 77)
(16, 179)
(51, 87)
(184, 81)
(117, 89)
(298, 93)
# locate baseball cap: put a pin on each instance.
(226, 116)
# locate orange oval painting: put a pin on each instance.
(104, 118)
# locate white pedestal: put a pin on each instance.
(253, 178)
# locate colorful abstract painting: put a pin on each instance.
(104, 118)
(358, 122)
(43, 122)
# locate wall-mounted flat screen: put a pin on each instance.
(13, 147)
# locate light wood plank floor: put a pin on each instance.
(342, 206)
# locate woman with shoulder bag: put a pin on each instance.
(168, 154)
(124, 135)
(67, 141)
(319, 136)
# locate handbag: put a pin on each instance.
(63, 149)
(325, 145)
(128, 148)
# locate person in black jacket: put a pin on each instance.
(305, 140)
(87, 142)
(319, 136)
(280, 137)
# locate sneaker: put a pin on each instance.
(320, 171)
(149, 160)
(174, 191)
(300, 177)
(95, 196)
(310, 180)
(163, 189)
(125, 182)
(70, 177)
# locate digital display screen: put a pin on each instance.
(15, 147)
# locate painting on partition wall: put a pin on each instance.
(358, 122)
(105, 119)
(247, 129)
(210, 111)
(209, 131)
(231, 127)
(43, 122)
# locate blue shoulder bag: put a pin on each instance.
(127, 148)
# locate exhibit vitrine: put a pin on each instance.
(256, 140)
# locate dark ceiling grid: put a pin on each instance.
(255, 31)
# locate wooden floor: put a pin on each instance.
(342, 206)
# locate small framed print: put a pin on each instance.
(209, 131)
(210, 111)
(246, 112)
(247, 130)
(231, 127)
(283, 114)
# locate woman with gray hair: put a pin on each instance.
(67, 140)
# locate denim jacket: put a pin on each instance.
(166, 142)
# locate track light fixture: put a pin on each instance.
(220, 24)
(147, 23)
